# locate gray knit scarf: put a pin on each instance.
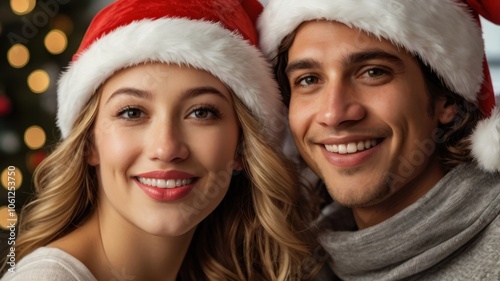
(460, 206)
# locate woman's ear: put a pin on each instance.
(238, 163)
(93, 154)
(446, 110)
(238, 159)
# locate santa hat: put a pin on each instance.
(217, 36)
(445, 34)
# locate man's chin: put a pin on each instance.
(360, 198)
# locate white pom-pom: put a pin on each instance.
(486, 142)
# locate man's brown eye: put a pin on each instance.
(308, 80)
(375, 72)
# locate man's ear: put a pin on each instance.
(446, 110)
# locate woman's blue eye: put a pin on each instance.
(202, 113)
(205, 112)
(130, 113)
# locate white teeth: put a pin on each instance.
(161, 183)
(361, 146)
(170, 183)
(342, 149)
(368, 144)
(351, 147)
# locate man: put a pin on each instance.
(384, 100)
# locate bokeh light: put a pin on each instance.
(34, 137)
(64, 23)
(15, 177)
(9, 142)
(38, 81)
(22, 7)
(56, 41)
(7, 216)
(5, 105)
(33, 159)
(18, 55)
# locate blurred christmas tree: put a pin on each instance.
(38, 39)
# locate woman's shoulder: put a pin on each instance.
(47, 263)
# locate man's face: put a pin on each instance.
(359, 114)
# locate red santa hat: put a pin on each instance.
(217, 36)
(445, 34)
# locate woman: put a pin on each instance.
(169, 167)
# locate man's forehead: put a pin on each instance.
(315, 39)
(332, 32)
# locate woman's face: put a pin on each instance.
(164, 147)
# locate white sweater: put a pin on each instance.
(49, 264)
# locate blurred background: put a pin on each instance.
(38, 39)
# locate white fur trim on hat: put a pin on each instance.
(486, 142)
(199, 44)
(441, 32)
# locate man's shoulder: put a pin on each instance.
(479, 259)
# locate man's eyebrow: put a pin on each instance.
(132, 92)
(301, 64)
(357, 57)
(372, 54)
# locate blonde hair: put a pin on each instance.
(65, 188)
(256, 233)
(267, 237)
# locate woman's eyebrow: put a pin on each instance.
(194, 92)
(132, 92)
(187, 94)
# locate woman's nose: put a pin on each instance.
(167, 143)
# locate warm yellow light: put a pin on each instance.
(34, 137)
(56, 41)
(22, 7)
(38, 81)
(18, 55)
(8, 217)
(12, 178)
